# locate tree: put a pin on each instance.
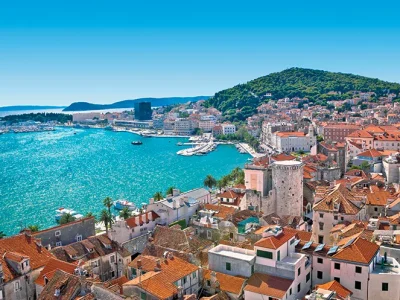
(209, 181)
(2, 234)
(105, 217)
(158, 196)
(90, 214)
(220, 185)
(365, 166)
(108, 203)
(67, 218)
(170, 190)
(125, 213)
(33, 228)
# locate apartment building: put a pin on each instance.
(228, 128)
(183, 126)
(338, 132)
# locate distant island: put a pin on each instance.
(82, 106)
(28, 107)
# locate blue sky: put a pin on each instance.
(59, 52)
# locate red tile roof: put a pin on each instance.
(26, 246)
(143, 219)
(227, 283)
(268, 285)
(53, 265)
(360, 251)
(335, 286)
(274, 242)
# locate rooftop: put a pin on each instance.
(234, 252)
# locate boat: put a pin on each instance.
(63, 211)
(121, 204)
(179, 144)
(136, 143)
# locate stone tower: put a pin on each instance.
(287, 183)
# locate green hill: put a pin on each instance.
(295, 82)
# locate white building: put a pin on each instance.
(228, 128)
(391, 166)
(294, 141)
(179, 206)
(125, 230)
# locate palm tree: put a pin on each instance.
(170, 190)
(90, 214)
(2, 234)
(125, 213)
(220, 185)
(106, 218)
(66, 218)
(236, 173)
(209, 181)
(107, 202)
(158, 196)
(33, 228)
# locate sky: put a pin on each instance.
(59, 52)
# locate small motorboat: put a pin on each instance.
(179, 144)
(136, 143)
(121, 204)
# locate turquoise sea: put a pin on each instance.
(40, 172)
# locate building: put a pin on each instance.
(215, 282)
(206, 125)
(293, 141)
(287, 191)
(82, 117)
(100, 257)
(166, 278)
(336, 206)
(228, 128)
(257, 176)
(66, 234)
(133, 124)
(143, 111)
(338, 132)
(179, 205)
(391, 168)
(123, 230)
(22, 257)
(183, 126)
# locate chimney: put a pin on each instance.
(158, 265)
(175, 192)
(151, 201)
(170, 255)
(139, 264)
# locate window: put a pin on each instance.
(57, 233)
(357, 285)
(58, 244)
(194, 275)
(308, 276)
(279, 255)
(298, 271)
(142, 296)
(320, 239)
(320, 260)
(112, 274)
(228, 266)
(375, 209)
(335, 217)
(16, 286)
(337, 266)
(252, 269)
(265, 254)
(112, 259)
(358, 270)
(209, 282)
(299, 288)
(385, 286)
(292, 241)
(79, 238)
(321, 216)
(134, 272)
(321, 226)
(290, 291)
(336, 279)
(319, 275)
(184, 280)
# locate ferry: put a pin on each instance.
(63, 211)
(121, 204)
(136, 143)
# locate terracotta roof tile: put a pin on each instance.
(26, 246)
(335, 286)
(227, 283)
(360, 251)
(268, 285)
(53, 265)
(274, 242)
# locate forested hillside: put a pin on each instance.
(318, 86)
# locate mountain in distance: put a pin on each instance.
(239, 102)
(28, 107)
(155, 102)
